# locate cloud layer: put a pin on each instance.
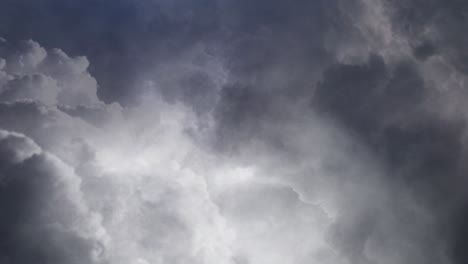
(232, 132)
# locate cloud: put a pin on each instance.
(40, 197)
(265, 132)
(158, 193)
(31, 72)
(112, 198)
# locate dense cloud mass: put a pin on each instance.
(233, 132)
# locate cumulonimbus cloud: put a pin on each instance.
(109, 184)
(277, 138)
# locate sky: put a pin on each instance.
(233, 132)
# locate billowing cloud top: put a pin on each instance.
(230, 132)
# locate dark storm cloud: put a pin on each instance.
(383, 105)
(437, 28)
(274, 57)
(322, 96)
(386, 103)
(434, 26)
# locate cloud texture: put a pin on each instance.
(237, 132)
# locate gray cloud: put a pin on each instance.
(250, 132)
(40, 198)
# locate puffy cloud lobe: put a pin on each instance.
(44, 218)
(51, 77)
(40, 87)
